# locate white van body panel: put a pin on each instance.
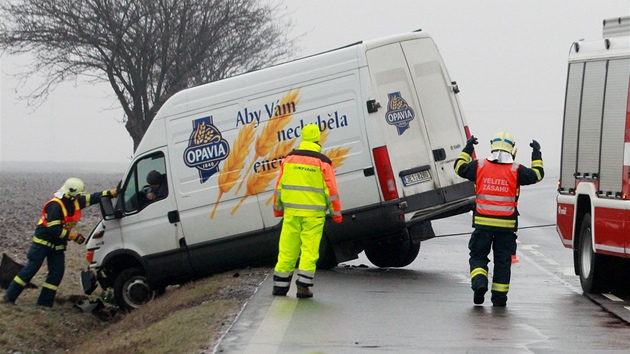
(221, 145)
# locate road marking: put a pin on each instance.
(273, 327)
(627, 308)
(551, 261)
(612, 297)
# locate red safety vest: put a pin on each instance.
(497, 191)
(68, 222)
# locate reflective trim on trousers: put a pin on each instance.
(50, 286)
(478, 271)
(502, 288)
(282, 280)
(305, 278)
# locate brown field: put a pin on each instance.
(187, 319)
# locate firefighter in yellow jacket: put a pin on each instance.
(498, 179)
(306, 187)
(52, 233)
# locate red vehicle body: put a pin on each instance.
(593, 202)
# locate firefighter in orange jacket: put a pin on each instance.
(495, 219)
(306, 187)
(59, 216)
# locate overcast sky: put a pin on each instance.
(508, 57)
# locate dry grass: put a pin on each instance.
(186, 319)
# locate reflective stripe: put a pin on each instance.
(463, 159)
(50, 286)
(332, 197)
(515, 166)
(497, 198)
(505, 223)
(303, 188)
(495, 207)
(282, 280)
(502, 288)
(478, 271)
(336, 213)
(48, 244)
(278, 208)
(19, 281)
(305, 206)
(305, 277)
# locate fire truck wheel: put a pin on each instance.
(592, 265)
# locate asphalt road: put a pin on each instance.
(427, 306)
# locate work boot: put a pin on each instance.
(479, 294)
(5, 300)
(304, 292)
(280, 291)
(499, 299)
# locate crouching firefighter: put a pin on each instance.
(59, 216)
(495, 219)
(306, 187)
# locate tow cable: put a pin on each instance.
(520, 228)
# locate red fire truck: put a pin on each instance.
(593, 201)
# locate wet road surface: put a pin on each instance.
(427, 307)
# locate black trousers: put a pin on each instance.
(503, 245)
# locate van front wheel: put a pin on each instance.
(132, 289)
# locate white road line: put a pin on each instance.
(272, 329)
(551, 261)
(612, 297)
(627, 308)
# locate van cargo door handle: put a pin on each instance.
(173, 216)
(439, 154)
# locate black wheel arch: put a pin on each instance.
(116, 262)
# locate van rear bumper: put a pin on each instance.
(385, 219)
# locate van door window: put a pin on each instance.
(146, 183)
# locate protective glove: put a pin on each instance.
(338, 219)
(113, 192)
(535, 145)
(76, 237)
(470, 145)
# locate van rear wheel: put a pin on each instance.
(132, 289)
(393, 252)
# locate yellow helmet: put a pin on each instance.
(502, 141)
(73, 187)
(311, 133)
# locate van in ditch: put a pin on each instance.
(391, 123)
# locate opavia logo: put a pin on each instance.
(206, 148)
(398, 112)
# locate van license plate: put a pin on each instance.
(416, 177)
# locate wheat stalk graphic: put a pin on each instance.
(268, 138)
(258, 182)
(235, 162)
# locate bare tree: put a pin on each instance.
(146, 49)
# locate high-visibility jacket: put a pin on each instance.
(497, 195)
(59, 216)
(306, 184)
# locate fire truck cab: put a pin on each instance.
(593, 200)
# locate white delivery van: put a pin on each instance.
(390, 121)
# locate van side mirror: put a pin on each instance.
(107, 208)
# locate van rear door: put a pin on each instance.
(420, 119)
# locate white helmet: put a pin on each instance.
(73, 187)
(502, 141)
